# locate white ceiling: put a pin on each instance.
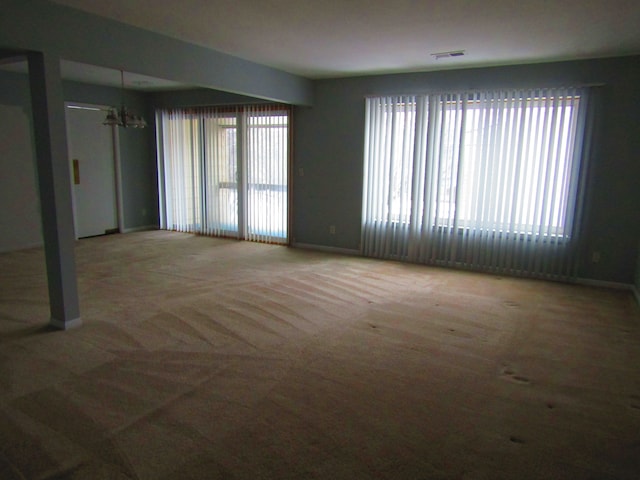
(334, 38)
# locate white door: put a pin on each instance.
(91, 153)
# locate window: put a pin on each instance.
(224, 171)
(482, 179)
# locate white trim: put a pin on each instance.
(604, 284)
(323, 248)
(69, 324)
(143, 228)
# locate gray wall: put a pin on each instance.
(329, 139)
(20, 212)
(20, 216)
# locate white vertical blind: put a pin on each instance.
(267, 145)
(224, 171)
(483, 180)
(220, 194)
(181, 172)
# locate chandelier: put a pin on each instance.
(123, 117)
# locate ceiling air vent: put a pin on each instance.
(441, 55)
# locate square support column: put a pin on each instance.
(54, 181)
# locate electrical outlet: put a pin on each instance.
(332, 229)
(301, 172)
(595, 257)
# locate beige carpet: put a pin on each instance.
(202, 358)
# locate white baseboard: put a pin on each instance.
(69, 324)
(604, 284)
(140, 229)
(324, 248)
(615, 285)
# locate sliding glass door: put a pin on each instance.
(267, 174)
(224, 172)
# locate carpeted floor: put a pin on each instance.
(202, 358)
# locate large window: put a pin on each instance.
(487, 180)
(225, 171)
